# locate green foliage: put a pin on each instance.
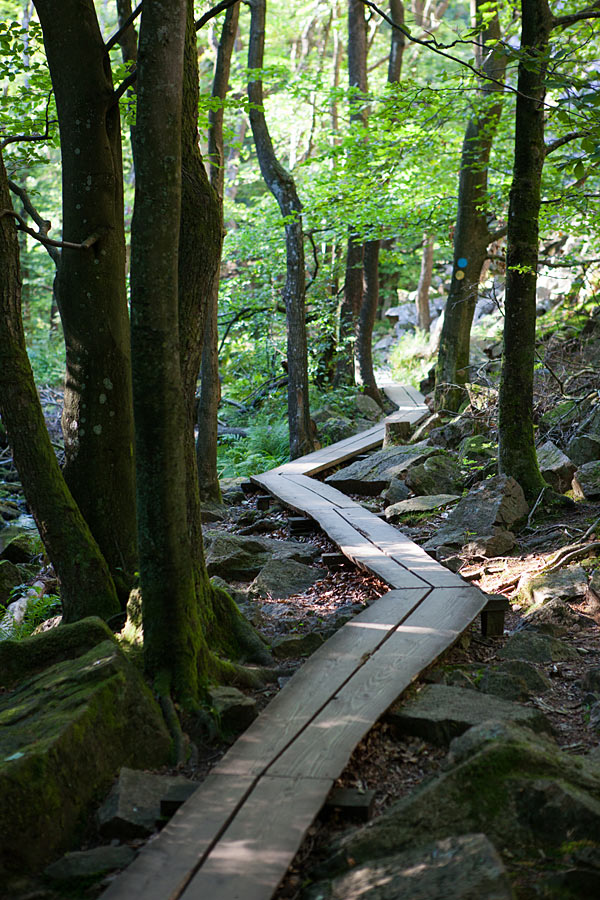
(40, 608)
(266, 446)
(411, 358)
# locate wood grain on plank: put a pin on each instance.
(253, 855)
(322, 491)
(324, 747)
(164, 865)
(317, 681)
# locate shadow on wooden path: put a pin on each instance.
(236, 836)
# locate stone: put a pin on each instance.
(568, 584)
(481, 521)
(516, 785)
(584, 448)
(234, 710)
(591, 680)
(337, 428)
(555, 618)
(241, 558)
(283, 578)
(64, 733)
(466, 867)
(396, 492)
(9, 511)
(425, 504)
(374, 474)
(453, 432)
(586, 481)
(289, 646)
(514, 679)
(367, 407)
(422, 431)
(556, 467)
(440, 713)
(89, 864)
(22, 548)
(477, 448)
(536, 648)
(212, 512)
(437, 475)
(238, 595)
(132, 808)
(10, 577)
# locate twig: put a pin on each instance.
(49, 242)
(43, 225)
(535, 506)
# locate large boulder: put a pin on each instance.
(586, 483)
(570, 584)
(556, 467)
(10, 577)
(482, 520)
(419, 505)
(283, 578)
(132, 808)
(241, 558)
(64, 732)
(437, 475)
(374, 474)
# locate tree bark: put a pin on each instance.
(97, 419)
(471, 234)
(366, 320)
(424, 286)
(87, 588)
(516, 452)
(398, 42)
(282, 186)
(206, 445)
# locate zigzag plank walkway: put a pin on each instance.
(236, 836)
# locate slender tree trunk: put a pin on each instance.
(87, 588)
(398, 42)
(206, 445)
(471, 234)
(517, 455)
(366, 321)
(97, 419)
(281, 184)
(424, 286)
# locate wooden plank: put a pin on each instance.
(322, 491)
(296, 496)
(361, 550)
(331, 455)
(316, 682)
(165, 864)
(251, 858)
(324, 747)
(401, 549)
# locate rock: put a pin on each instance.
(440, 713)
(424, 504)
(337, 428)
(89, 864)
(132, 808)
(283, 578)
(477, 448)
(481, 520)
(586, 482)
(10, 577)
(22, 548)
(241, 558)
(367, 407)
(9, 511)
(591, 681)
(467, 867)
(555, 466)
(396, 492)
(212, 512)
(65, 732)
(437, 475)
(536, 648)
(453, 432)
(372, 475)
(569, 584)
(584, 448)
(290, 646)
(235, 711)
(555, 617)
(514, 679)
(237, 595)
(434, 421)
(515, 784)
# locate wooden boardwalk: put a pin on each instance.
(237, 834)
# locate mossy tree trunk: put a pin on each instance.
(86, 584)
(472, 234)
(206, 444)
(282, 186)
(97, 419)
(517, 454)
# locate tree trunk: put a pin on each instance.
(281, 184)
(471, 234)
(366, 320)
(87, 588)
(398, 42)
(424, 286)
(97, 419)
(517, 455)
(206, 445)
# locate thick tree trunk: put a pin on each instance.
(281, 184)
(87, 588)
(97, 420)
(173, 640)
(398, 42)
(206, 445)
(517, 455)
(471, 234)
(424, 286)
(366, 320)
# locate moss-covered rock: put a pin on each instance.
(64, 733)
(10, 577)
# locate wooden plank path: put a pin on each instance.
(237, 834)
